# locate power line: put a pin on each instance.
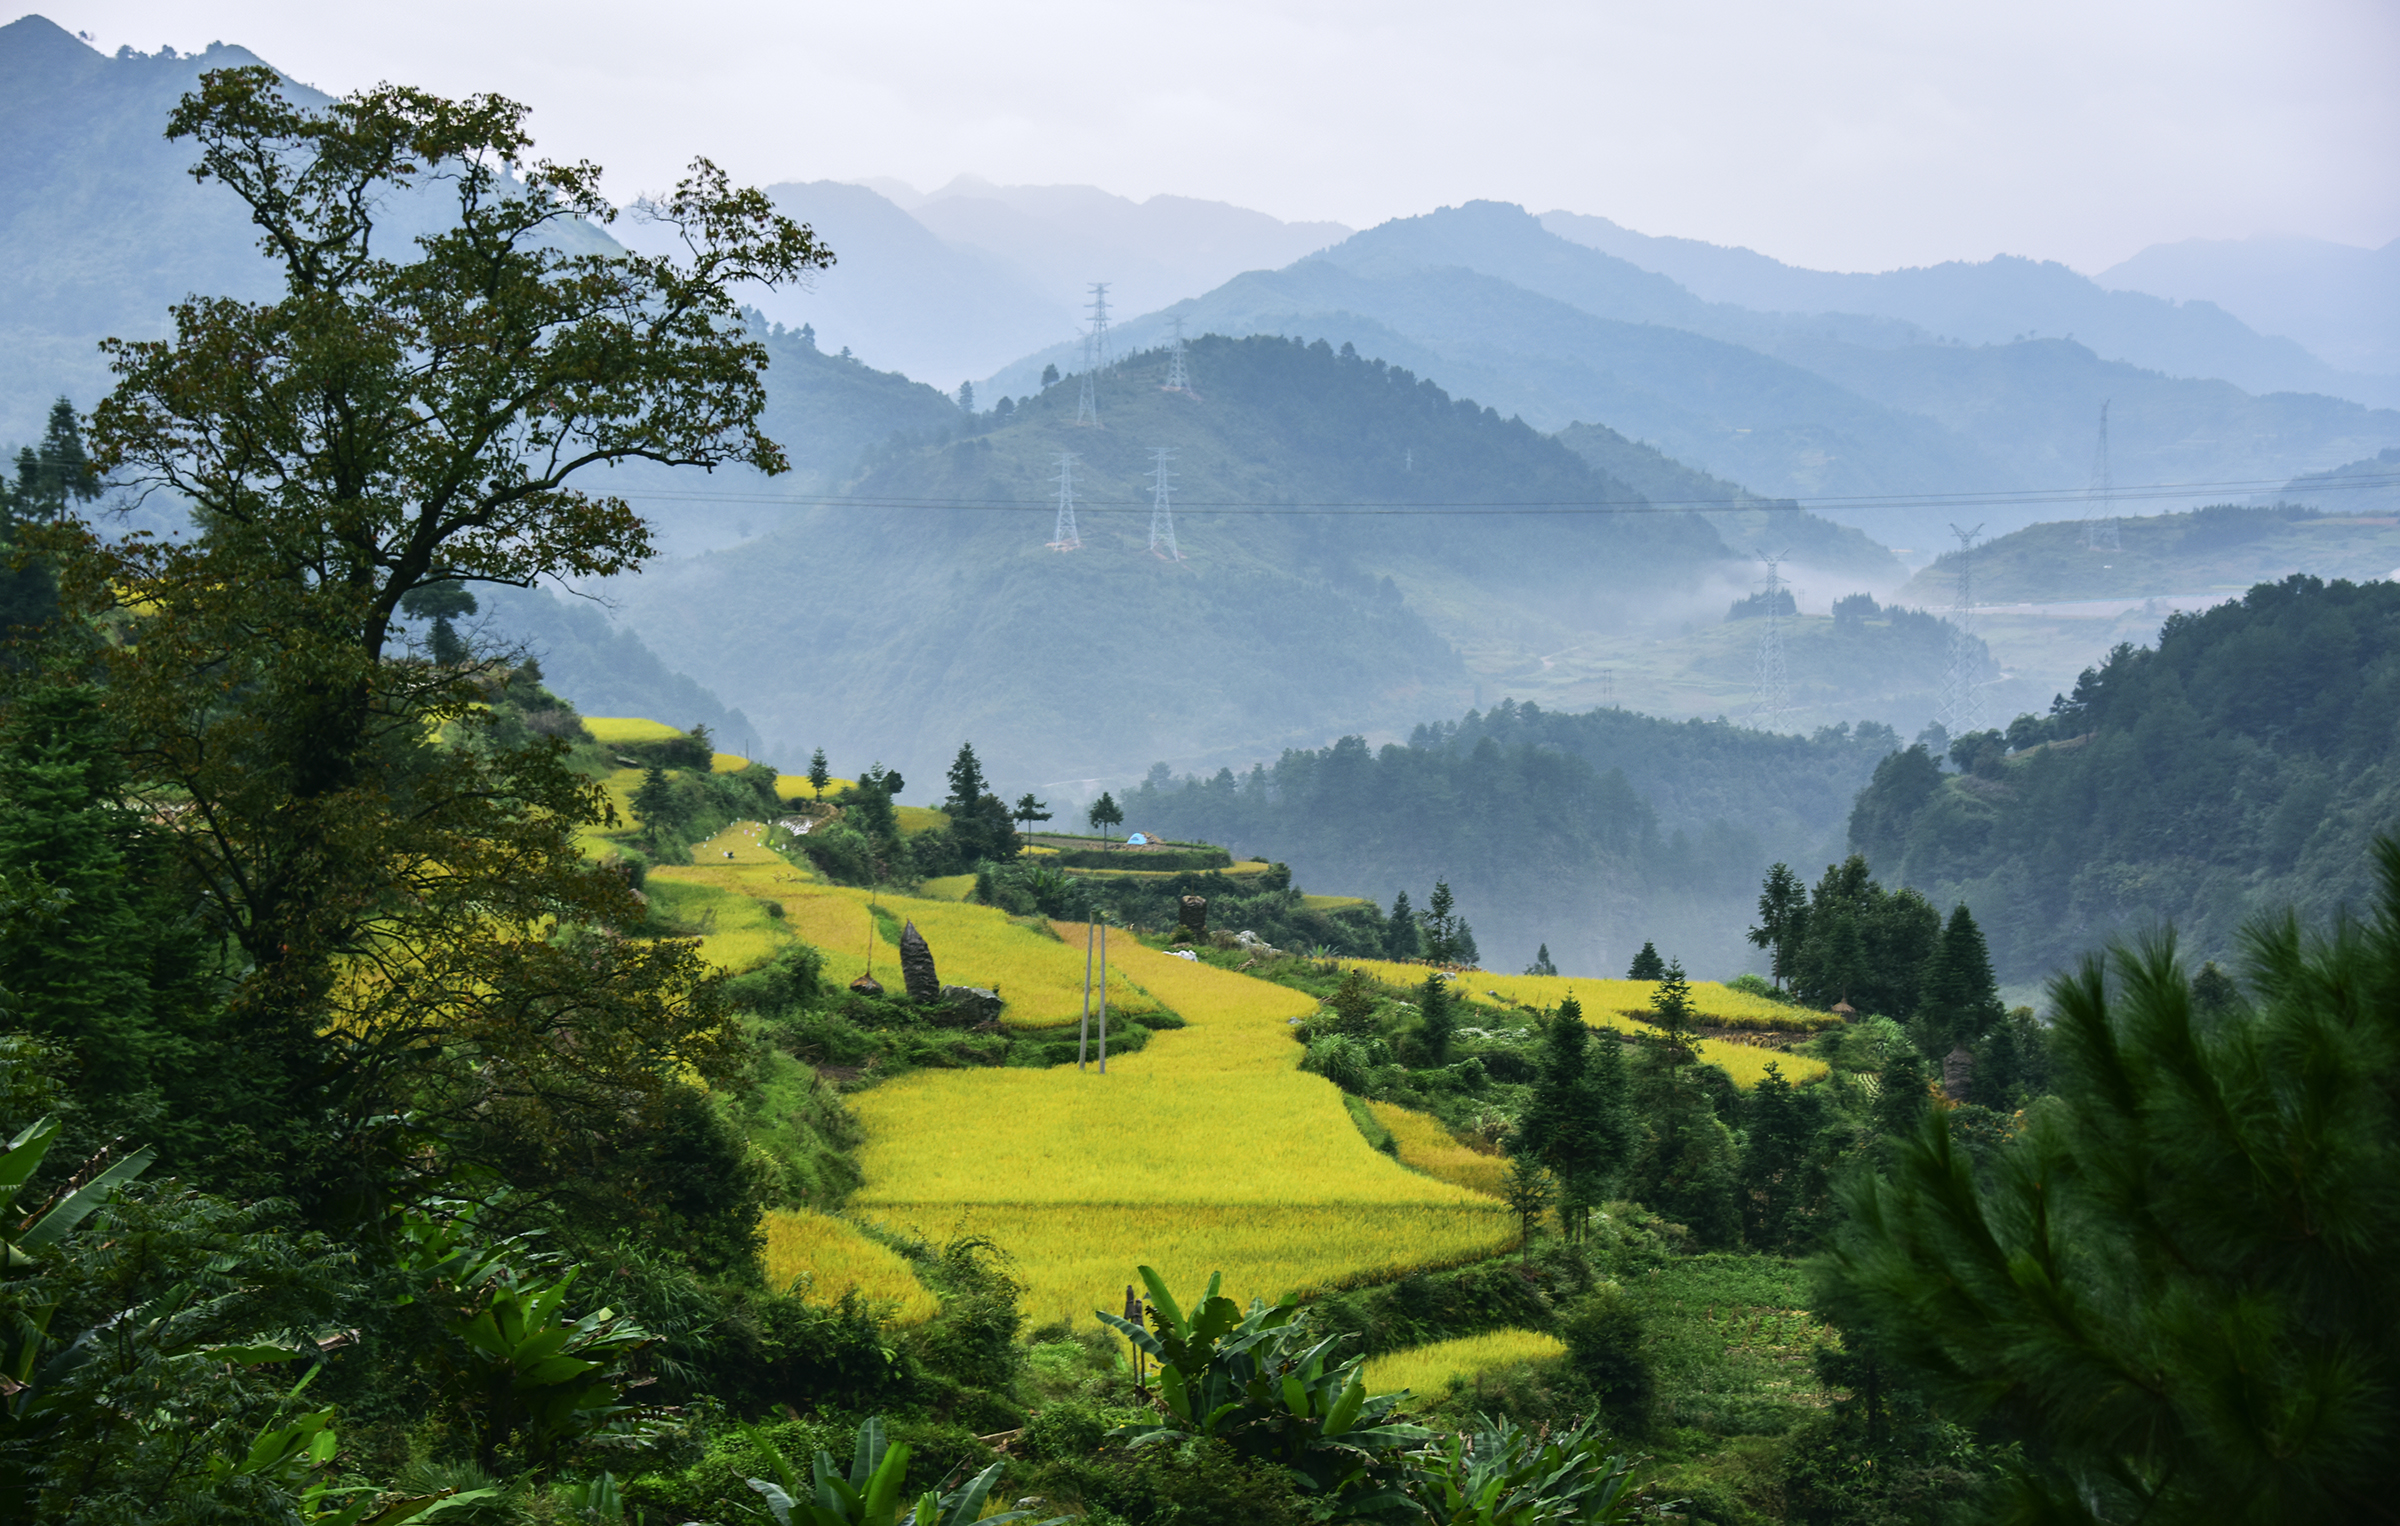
(2034, 499)
(1162, 511)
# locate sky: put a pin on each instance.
(1838, 134)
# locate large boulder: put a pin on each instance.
(1191, 920)
(971, 1006)
(916, 967)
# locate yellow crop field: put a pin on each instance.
(1209, 1150)
(727, 763)
(919, 818)
(797, 787)
(836, 1258)
(617, 730)
(1605, 1003)
(948, 887)
(1428, 1147)
(1039, 977)
(1332, 902)
(1432, 1371)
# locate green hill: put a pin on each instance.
(925, 606)
(2220, 550)
(2243, 763)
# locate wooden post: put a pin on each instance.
(1104, 998)
(1083, 1027)
(1133, 1316)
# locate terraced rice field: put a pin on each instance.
(1425, 1145)
(1433, 1370)
(1207, 1151)
(1609, 1003)
(835, 1258)
(617, 730)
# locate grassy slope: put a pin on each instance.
(2160, 555)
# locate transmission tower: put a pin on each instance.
(1065, 539)
(1178, 378)
(1162, 512)
(1774, 701)
(2100, 520)
(1087, 399)
(1100, 356)
(1961, 708)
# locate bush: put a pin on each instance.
(1603, 1333)
(1197, 1482)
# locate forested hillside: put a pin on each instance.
(927, 605)
(2245, 762)
(1591, 833)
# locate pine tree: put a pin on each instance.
(1552, 1126)
(1782, 920)
(654, 805)
(1671, 1011)
(1105, 813)
(1784, 1175)
(2175, 1285)
(1647, 965)
(1462, 946)
(966, 780)
(1541, 962)
(1958, 998)
(1400, 931)
(1435, 1020)
(819, 775)
(1528, 1190)
(1441, 925)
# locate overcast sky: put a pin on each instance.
(1853, 135)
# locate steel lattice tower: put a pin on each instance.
(1087, 399)
(1065, 538)
(2100, 520)
(1961, 708)
(1100, 356)
(1774, 701)
(1179, 379)
(1162, 512)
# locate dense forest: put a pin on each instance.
(2244, 762)
(1589, 833)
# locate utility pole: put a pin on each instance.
(1961, 708)
(1179, 379)
(1100, 356)
(1087, 397)
(2100, 519)
(1774, 699)
(1065, 538)
(1162, 509)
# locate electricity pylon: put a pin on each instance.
(1774, 701)
(1961, 708)
(1065, 539)
(1100, 355)
(2100, 519)
(1178, 378)
(1162, 511)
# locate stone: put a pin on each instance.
(1191, 922)
(1253, 945)
(867, 985)
(916, 967)
(971, 1006)
(1958, 1074)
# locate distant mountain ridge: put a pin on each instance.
(2341, 301)
(2000, 301)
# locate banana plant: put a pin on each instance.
(26, 1381)
(1499, 1475)
(1254, 1380)
(295, 1456)
(870, 1495)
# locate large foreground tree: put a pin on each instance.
(2177, 1284)
(419, 958)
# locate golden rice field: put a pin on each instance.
(797, 787)
(947, 887)
(1425, 1145)
(617, 730)
(727, 763)
(1605, 1003)
(836, 1258)
(1039, 977)
(919, 818)
(1433, 1370)
(1207, 1151)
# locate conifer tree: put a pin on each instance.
(1541, 962)
(1441, 925)
(1435, 1020)
(1782, 920)
(1552, 1126)
(966, 780)
(2176, 1282)
(1400, 931)
(654, 804)
(819, 775)
(1647, 965)
(1671, 1010)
